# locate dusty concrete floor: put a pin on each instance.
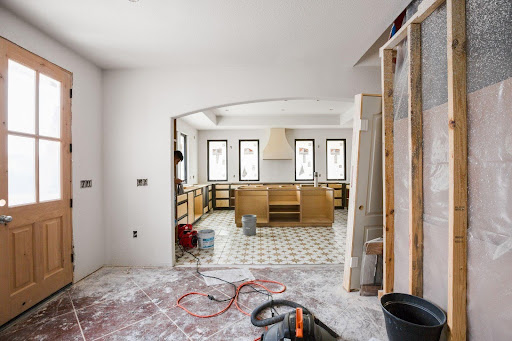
(140, 304)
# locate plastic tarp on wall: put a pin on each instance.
(401, 164)
(489, 85)
(435, 157)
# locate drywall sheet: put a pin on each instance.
(489, 47)
(435, 157)
(401, 164)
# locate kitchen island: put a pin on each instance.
(285, 205)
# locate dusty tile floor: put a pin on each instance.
(140, 304)
(271, 245)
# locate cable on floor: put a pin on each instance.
(233, 299)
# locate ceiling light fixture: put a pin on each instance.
(134, 0)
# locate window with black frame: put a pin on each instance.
(336, 157)
(184, 164)
(249, 167)
(304, 160)
(217, 160)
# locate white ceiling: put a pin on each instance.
(125, 34)
(304, 114)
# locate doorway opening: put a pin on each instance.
(265, 158)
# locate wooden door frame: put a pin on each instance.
(10, 50)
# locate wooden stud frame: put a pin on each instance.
(458, 162)
(388, 170)
(457, 132)
(416, 162)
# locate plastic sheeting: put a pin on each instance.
(401, 164)
(489, 85)
(435, 157)
(489, 42)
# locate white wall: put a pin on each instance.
(271, 170)
(191, 132)
(138, 105)
(88, 230)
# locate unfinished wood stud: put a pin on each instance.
(388, 171)
(416, 162)
(458, 183)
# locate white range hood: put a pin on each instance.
(277, 147)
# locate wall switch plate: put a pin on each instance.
(354, 262)
(85, 183)
(134, 234)
(142, 182)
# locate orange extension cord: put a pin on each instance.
(234, 299)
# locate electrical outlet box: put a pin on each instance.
(142, 182)
(85, 183)
(134, 234)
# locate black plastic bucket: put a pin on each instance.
(411, 318)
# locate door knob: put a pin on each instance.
(4, 219)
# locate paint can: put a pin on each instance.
(249, 224)
(206, 239)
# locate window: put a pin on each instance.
(183, 164)
(304, 159)
(217, 160)
(34, 135)
(336, 159)
(249, 160)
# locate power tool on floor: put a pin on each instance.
(187, 236)
(293, 326)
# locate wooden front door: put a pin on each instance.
(35, 179)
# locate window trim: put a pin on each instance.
(240, 159)
(185, 157)
(295, 160)
(344, 159)
(208, 160)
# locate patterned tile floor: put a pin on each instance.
(271, 245)
(117, 303)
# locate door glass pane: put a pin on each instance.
(21, 170)
(249, 160)
(49, 106)
(21, 100)
(336, 160)
(304, 160)
(49, 170)
(217, 161)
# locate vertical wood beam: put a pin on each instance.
(458, 184)
(388, 170)
(416, 163)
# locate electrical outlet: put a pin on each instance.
(134, 234)
(142, 182)
(85, 183)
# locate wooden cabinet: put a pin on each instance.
(191, 205)
(286, 205)
(181, 210)
(191, 213)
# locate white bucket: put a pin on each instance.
(206, 239)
